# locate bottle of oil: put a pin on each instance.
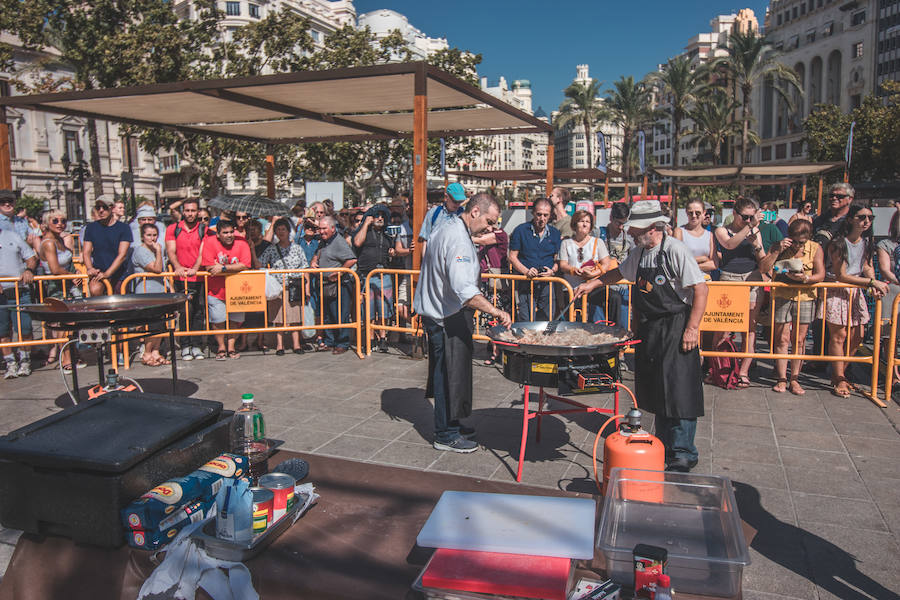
(248, 436)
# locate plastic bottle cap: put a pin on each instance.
(246, 398)
(664, 581)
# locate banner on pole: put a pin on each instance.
(443, 158)
(601, 146)
(641, 143)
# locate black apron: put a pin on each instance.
(668, 381)
(458, 346)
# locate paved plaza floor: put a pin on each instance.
(818, 476)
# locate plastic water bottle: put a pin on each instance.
(248, 436)
(663, 588)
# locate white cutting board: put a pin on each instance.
(510, 523)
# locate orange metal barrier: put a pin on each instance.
(397, 275)
(181, 286)
(891, 351)
(67, 281)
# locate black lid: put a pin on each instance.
(110, 433)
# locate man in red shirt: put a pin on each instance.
(184, 240)
(223, 255)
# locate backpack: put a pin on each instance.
(723, 370)
(201, 230)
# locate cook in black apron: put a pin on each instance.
(668, 381)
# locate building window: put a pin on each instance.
(858, 18)
(70, 143)
(794, 13)
(855, 101)
(130, 158)
(794, 42)
(796, 149)
(315, 35)
(254, 10)
(810, 36)
(828, 29)
(233, 9)
(766, 153)
(779, 20)
(857, 50)
(780, 151)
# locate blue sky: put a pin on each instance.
(543, 41)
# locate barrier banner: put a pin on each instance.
(245, 292)
(727, 309)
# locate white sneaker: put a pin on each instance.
(11, 370)
(24, 368)
(197, 353)
(186, 353)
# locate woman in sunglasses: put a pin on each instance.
(794, 307)
(851, 254)
(741, 246)
(804, 213)
(698, 239)
(56, 259)
(583, 257)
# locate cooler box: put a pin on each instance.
(71, 473)
(697, 521)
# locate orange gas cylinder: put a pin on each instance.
(633, 448)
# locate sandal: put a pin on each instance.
(796, 388)
(841, 388)
(234, 354)
(221, 355)
(490, 361)
(781, 385)
(743, 382)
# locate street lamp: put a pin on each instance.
(78, 171)
(56, 192)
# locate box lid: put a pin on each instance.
(110, 433)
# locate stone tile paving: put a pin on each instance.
(817, 476)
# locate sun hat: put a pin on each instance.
(457, 192)
(645, 213)
(145, 212)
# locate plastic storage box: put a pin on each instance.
(697, 522)
(71, 473)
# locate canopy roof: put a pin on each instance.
(351, 104)
(536, 174)
(798, 169)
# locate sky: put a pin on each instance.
(543, 41)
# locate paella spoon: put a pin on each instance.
(552, 325)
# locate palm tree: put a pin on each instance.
(629, 101)
(752, 59)
(582, 105)
(681, 85)
(713, 117)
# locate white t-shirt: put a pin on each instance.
(685, 271)
(593, 249)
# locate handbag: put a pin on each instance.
(273, 287)
(294, 284)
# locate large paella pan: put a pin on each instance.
(569, 339)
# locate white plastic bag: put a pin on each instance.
(273, 287)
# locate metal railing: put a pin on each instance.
(354, 325)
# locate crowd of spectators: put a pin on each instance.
(556, 242)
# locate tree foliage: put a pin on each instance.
(629, 101)
(876, 136)
(583, 106)
(714, 122)
(680, 86)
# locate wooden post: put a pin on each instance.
(5, 157)
(420, 156)
(645, 195)
(270, 172)
(606, 191)
(550, 152)
(790, 196)
(819, 209)
(803, 193)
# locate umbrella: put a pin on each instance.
(253, 204)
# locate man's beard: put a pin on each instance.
(645, 240)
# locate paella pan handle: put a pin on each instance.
(628, 343)
(511, 345)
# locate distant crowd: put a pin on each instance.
(751, 244)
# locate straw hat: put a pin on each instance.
(645, 213)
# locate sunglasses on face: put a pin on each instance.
(865, 217)
(101, 209)
(242, 218)
(694, 213)
(204, 218)
(747, 217)
(58, 221)
(840, 196)
(6, 203)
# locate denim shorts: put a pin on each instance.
(217, 313)
(9, 320)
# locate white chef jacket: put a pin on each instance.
(450, 272)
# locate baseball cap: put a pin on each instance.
(456, 191)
